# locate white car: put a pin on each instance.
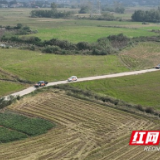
(72, 78)
(158, 66)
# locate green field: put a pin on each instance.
(88, 33)
(35, 66)
(74, 30)
(15, 127)
(138, 89)
(10, 87)
(8, 135)
(84, 130)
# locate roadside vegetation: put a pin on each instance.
(137, 89)
(8, 87)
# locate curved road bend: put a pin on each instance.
(31, 89)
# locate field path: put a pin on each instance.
(31, 89)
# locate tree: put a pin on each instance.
(146, 16)
(138, 16)
(19, 25)
(108, 16)
(84, 9)
(54, 6)
(118, 8)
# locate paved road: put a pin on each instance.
(31, 89)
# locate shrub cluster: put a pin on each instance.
(103, 46)
(11, 99)
(19, 29)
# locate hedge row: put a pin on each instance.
(105, 99)
(103, 46)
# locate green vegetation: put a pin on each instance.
(15, 127)
(53, 13)
(117, 7)
(104, 46)
(147, 16)
(29, 126)
(138, 89)
(88, 33)
(7, 135)
(9, 87)
(35, 66)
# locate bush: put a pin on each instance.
(51, 49)
(84, 46)
(139, 107)
(149, 110)
(119, 37)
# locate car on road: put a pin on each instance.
(158, 66)
(72, 78)
(40, 84)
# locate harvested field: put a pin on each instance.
(85, 131)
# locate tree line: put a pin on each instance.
(147, 16)
(53, 13)
(50, 14)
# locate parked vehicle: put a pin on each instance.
(158, 66)
(72, 78)
(40, 84)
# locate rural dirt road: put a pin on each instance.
(31, 89)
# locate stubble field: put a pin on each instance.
(85, 131)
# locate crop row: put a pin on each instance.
(29, 126)
(7, 135)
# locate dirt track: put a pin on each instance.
(31, 89)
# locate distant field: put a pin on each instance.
(88, 33)
(74, 30)
(35, 66)
(141, 89)
(85, 131)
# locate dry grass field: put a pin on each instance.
(85, 131)
(144, 55)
